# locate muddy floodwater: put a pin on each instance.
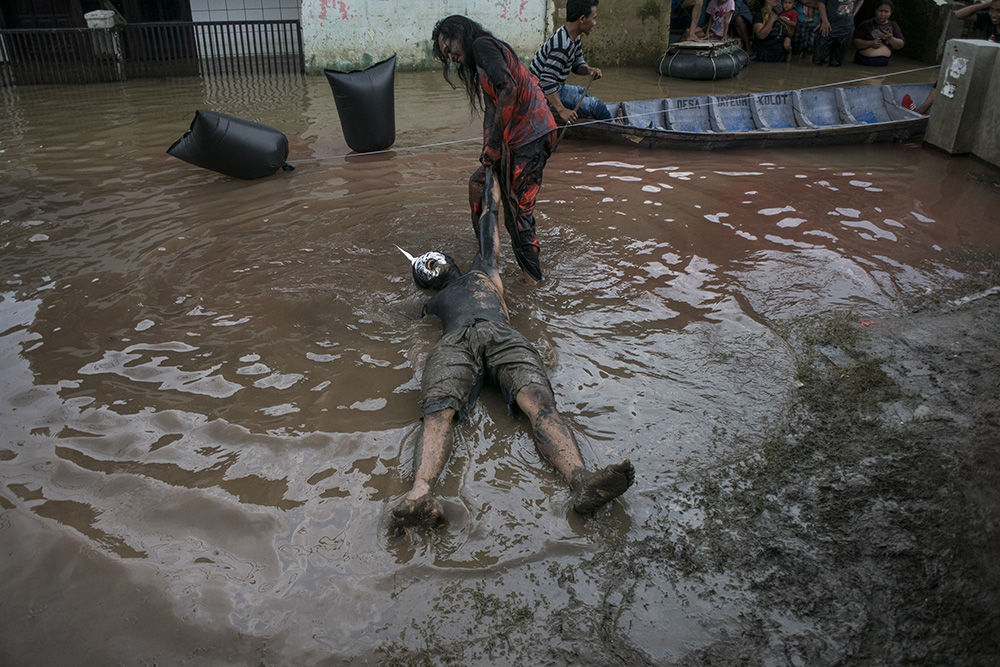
(209, 394)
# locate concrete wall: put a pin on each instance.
(628, 32)
(987, 145)
(352, 34)
(964, 117)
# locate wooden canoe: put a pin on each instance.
(807, 117)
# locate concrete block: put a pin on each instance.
(964, 80)
(949, 27)
(987, 146)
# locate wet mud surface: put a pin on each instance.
(863, 532)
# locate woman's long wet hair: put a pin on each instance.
(464, 31)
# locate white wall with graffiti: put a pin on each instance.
(351, 34)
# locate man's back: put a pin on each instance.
(470, 298)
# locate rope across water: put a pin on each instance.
(591, 122)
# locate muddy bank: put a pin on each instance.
(863, 531)
(867, 532)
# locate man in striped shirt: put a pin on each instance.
(562, 54)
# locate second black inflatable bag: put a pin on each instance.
(366, 105)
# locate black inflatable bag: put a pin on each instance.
(232, 146)
(366, 105)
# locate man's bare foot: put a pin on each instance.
(593, 490)
(423, 511)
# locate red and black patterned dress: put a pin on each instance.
(518, 131)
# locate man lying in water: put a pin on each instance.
(479, 343)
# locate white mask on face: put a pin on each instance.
(428, 266)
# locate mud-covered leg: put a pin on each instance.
(419, 507)
(553, 437)
(556, 442)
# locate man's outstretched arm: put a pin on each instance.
(488, 259)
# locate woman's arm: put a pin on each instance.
(824, 21)
(490, 59)
(762, 30)
(895, 39)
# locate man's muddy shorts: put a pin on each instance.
(486, 351)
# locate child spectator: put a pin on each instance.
(789, 16)
(790, 19)
(876, 38)
(986, 15)
(718, 13)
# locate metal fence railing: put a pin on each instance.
(138, 50)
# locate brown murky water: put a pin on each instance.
(209, 391)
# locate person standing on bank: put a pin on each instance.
(479, 345)
(836, 29)
(562, 54)
(876, 38)
(518, 129)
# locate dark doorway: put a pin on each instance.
(60, 46)
(50, 41)
(42, 14)
(153, 11)
(41, 56)
(171, 51)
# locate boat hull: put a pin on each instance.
(859, 115)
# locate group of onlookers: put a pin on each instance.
(774, 30)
